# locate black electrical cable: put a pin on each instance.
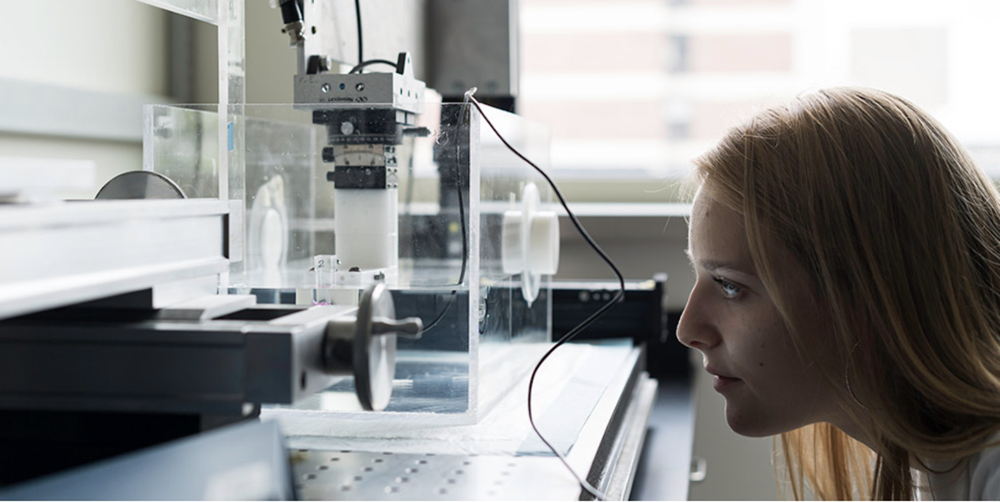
(461, 219)
(461, 202)
(357, 14)
(361, 59)
(357, 68)
(583, 325)
(447, 307)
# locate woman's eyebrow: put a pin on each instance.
(717, 266)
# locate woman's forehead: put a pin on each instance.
(717, 237)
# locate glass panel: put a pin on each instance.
(228, 15)
(183, 144)
(202, 10)
(232, 86)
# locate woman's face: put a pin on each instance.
(745, 343)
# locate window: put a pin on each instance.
(635, 89)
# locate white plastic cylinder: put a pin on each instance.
(366, 227)
(543, 246)
(530, 238)
(512, 254)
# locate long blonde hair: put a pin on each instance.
(899, 232)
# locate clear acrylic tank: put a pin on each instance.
(459, 228)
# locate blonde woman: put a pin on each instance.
(847, 252)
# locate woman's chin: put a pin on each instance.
(751, 424)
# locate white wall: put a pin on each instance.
(109, 158)
(271, 63)
(106, 46)
(100, 45)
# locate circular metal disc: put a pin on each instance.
(140, 185)
(374, 356)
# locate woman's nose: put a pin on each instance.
(695, 328)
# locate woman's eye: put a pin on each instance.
(729, 289)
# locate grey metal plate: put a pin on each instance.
(347, 475)
(353, 475)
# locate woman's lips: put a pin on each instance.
(721, 383)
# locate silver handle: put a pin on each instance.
(411, 327)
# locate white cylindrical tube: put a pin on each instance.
(543, 247)
(366, 226)
(512, 254)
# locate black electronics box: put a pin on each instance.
(641, 316)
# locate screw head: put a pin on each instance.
(325, 88)
(360, 87)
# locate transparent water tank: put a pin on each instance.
(463, 234)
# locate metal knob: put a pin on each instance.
(364, 345)
(411, 327)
